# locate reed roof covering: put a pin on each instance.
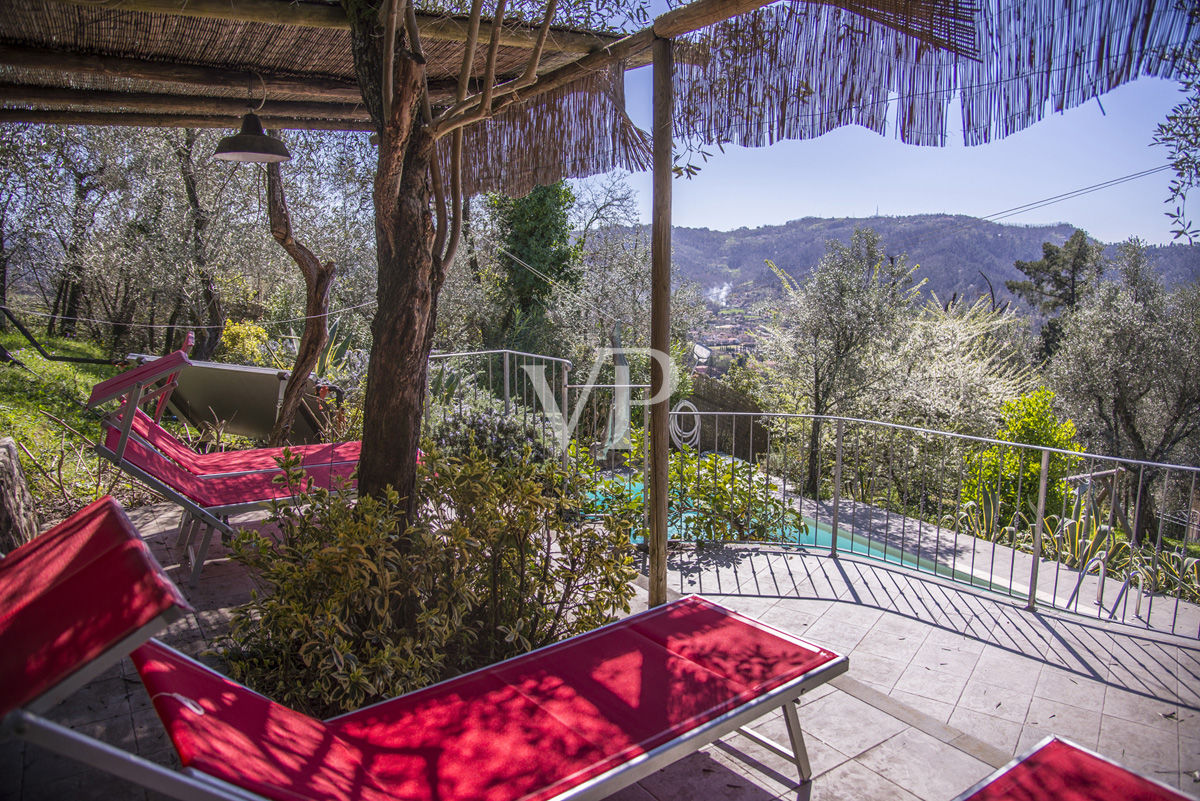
(790, 70)
(798, 70)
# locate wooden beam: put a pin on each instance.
(192, 105)
(632, 48)
(660, 315)
(186, 74)
(318, 15)
(701, 14)
(174, 120)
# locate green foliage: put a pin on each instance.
(1058, 281)
(506, 557)
(494, 434)
(538, 253)
(1003, 481)
(719, 498)
(243, 342)
(1180, 134)
(41, 408)
(1128, 365)
(712, 497)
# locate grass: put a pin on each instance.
(42, 409)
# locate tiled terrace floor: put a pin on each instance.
(944, 685)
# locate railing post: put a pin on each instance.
(1037, 530)
(837, 486)
(565, 372)
(506, 396)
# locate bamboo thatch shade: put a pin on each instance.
(791, 70)
(797, 71)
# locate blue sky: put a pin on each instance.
(853, 172)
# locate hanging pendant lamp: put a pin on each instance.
(252, 144)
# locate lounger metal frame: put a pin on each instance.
(194, 785)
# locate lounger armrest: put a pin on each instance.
(143, 375)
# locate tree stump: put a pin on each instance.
(18, 520)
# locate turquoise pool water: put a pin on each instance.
(819, 536)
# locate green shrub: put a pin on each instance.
(358, 610)
(710, 497)
(497, 436)
(242, 343)
(1000, 489)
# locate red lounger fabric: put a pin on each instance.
(1060, 771)
(238, 461)
(123, 382)
(221, 490)
(528, 728)
(93, 570)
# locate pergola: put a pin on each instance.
(748, 73)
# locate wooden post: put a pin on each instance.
(660, 316)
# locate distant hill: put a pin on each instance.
(952, 251)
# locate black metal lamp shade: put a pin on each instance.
(251, 144)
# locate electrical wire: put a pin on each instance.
(161, 326)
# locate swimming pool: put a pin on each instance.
(818, 535)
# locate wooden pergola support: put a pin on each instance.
(433, 27)
(174, 120)
(41, 97)
(249, 83)
(660, 315)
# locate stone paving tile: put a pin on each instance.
(847, 724)
(821, 755)
(994, 731)
(986, 698)
(878, 671)
(929, 682)
(852, 780)
(794, 614)
(90, 784)
(703, 775)
(1068, 687)
(905, 760)
(957, 659)
(12, 768)
(1135, 707)
(1140, 748)
(938, 710)
(1009, 670)
(1047, 717)
(754, 606)
(832, 633)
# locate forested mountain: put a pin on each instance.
(953, 251)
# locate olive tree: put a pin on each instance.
(827, 328)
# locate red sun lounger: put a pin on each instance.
(74, 602)
(1059, 770)
(241, 461)
(209, 487)
(209, 501)
(131, 387)
(579, 719)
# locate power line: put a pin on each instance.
(160, 326)
(570, 292)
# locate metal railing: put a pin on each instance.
(1044, 526)
(1077, 532)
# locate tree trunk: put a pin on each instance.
(172, 321)
(318, 281)
(812, 484)
(402, 333)
(4, 256)
(409, 274)
(211, 316)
